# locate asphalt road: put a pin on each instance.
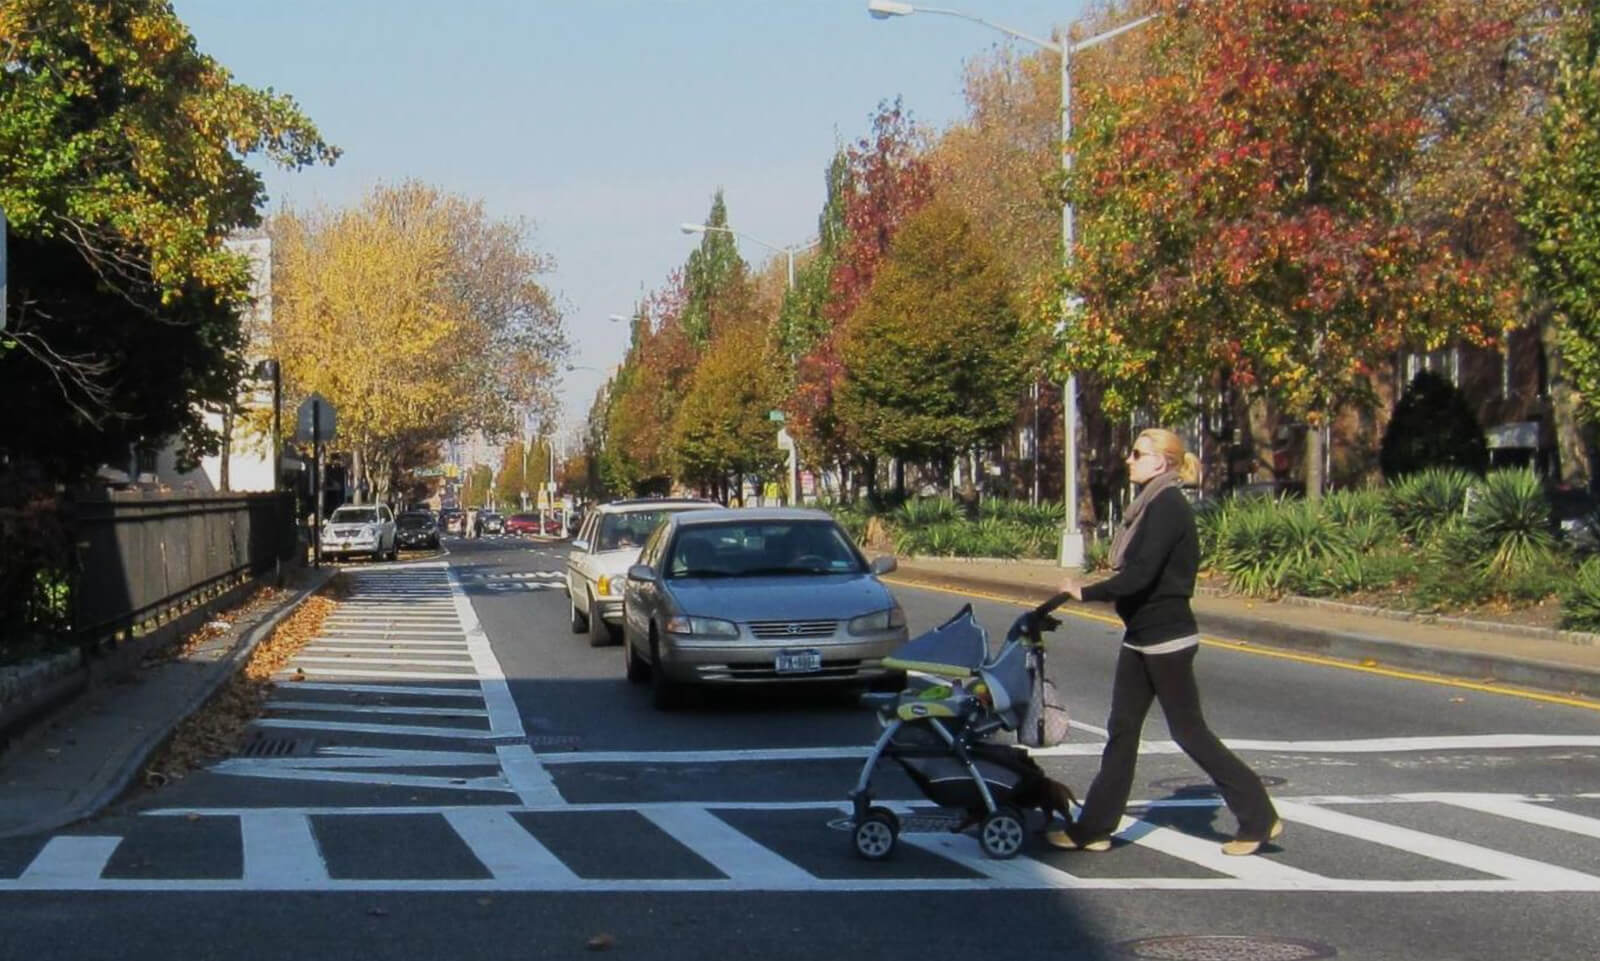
(453, 773)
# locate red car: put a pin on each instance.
(522, 524)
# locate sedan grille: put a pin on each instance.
(782, 629)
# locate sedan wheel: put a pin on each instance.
(599, 631)
(637, 670)
(665, 693)
(578, 620)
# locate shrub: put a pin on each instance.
(1097, 555)
(1432, 426)
(1511, 515)
(1422, 502)
(1580, 602)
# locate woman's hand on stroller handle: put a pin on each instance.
(1032, 624)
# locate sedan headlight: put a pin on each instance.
(603, 585)
(884, 620)
(702, 626)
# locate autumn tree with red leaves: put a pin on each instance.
(1240, 206)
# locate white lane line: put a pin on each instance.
(334, 708)
(70, 860)
(1535, 874)
(473, 691)
(1019, 872)
(507, 849)
(400, 661)
(339, 757)
(527, 776)
(356, 727)
(280, 850)
(488, 782)
(504, 718)
(1208, 854)
(1381, 745)
(1522, 810)
(728, 849)
(288, 675)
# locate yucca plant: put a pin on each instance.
(1511, 514)
(1250, 548)
(923, 512)
(1422, 502)
(1356, 506)
(1097, 554)
(1580, 602)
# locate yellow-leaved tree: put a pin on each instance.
(417, 316)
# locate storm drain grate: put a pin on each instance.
(569, 742)
(1191, 787)
(1221, 947)
(277, 747)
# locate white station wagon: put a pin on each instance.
(598, 561)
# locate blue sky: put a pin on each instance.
(605, 123)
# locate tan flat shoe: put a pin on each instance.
(1239, 849)
(1063, 841)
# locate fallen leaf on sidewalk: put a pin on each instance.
(601, 942)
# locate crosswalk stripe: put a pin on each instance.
(1523, 810)
(1208, 854)
(335, 708)
(362, 688)
(405, 661)
(356, 727)
(507, 849)
(280, 850)
(727, 849)
(1448, 850)
(289, 675)
(527, 776)
(70, 860)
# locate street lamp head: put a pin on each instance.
(884, 9)
(692, 228)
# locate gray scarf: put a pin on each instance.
(1130, 520)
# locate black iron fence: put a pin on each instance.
(141, 556)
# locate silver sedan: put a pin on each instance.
(756, 595)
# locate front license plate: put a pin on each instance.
(799, 662)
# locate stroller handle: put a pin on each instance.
(1032, 624)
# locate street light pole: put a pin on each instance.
(1072, 551)
(788, 252)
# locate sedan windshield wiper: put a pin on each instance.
(698, 572)
(770, 571)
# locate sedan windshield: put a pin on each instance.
(756, 549)
(354, 515)
(414, 522)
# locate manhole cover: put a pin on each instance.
(276, 747)
(1188, 786)
(1224, 947)
(911, 823)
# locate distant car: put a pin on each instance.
(522, 524)
(597, 563)
(756, 596)
(416, 530)
(453, 521)
(492, 523)
(360, 530)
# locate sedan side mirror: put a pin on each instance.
(884, 565)
(641, 572)
(580, 545)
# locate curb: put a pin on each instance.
(121, 775)
(1465, 665)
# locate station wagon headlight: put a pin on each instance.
(885, 620)
(702, 626)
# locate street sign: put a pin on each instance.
(326, 421)
(775, 416)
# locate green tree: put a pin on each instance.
(475, 493)
(123, 168)
(1561, 213)
(935, 355)
(722, 432)
(712, 268)
(510, 484)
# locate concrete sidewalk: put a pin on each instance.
(75, 761)
(1561, 662)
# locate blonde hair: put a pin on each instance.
(1173, 450)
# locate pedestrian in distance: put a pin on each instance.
(1155, 555)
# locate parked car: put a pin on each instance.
(453, 521)
(522, 524)
(598, 561)
(756, 596)
(416, 530)
(493, 523)
(360, 530)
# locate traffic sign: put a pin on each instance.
(315, 405)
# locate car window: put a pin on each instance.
(652, 548)
(631, 529)
(757, 549)
(587, 534)
(354, 515)
(384, 515)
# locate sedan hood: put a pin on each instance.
(836, 596)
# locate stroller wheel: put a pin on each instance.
(1001, 833)
(875, 835)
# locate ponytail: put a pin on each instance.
(1189, 470)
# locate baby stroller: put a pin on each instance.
(941, 734)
